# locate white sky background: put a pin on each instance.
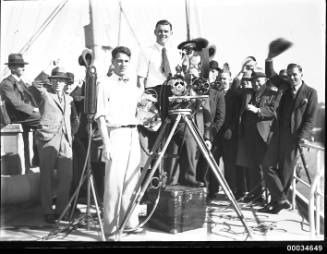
(238, 28)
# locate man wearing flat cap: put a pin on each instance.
(59, 122)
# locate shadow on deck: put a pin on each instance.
(25, 223)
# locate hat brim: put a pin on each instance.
(59, 77)
(197, 44)
(186, 44)
(17, 63)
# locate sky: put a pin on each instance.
(238, 28)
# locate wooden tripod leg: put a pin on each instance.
(145, 179)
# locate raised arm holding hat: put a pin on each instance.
(58, 123)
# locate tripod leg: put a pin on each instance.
(215, 169)
(97, 207)
(145, 182)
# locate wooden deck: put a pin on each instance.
(25, 223)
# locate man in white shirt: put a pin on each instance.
(150, 69)
(155, 65)
(118, 96)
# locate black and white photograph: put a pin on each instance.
(175, 123)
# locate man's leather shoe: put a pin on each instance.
(266, 209)
(194, 184)
(275, 207)
(280, 206)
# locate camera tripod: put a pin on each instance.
(86, 175)
(147, 174)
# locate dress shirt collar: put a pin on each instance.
(16, 77)
(160, 47)
(295, 89)
(120, 78)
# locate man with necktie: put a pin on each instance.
(59, 122)
(155, 65)
(296, 117)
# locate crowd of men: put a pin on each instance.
(254, 122)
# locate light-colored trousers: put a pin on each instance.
(121, 176)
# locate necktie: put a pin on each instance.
(293, 92)
(165, 68)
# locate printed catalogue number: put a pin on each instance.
(302, 247)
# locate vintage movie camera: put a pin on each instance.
(184, 96)
(201, 86)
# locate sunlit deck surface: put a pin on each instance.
(25, 223)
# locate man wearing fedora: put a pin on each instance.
(19, 101)
(217, 112)
(58, 123)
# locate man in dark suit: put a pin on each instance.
(19, 101)
(54, 141)
(217, 116)
(256, 131)
(228, 136)
(296, 116)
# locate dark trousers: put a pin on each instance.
(182, 169)
(234, 174)
(278, 176)
(55, 154)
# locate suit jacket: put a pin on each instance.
(18, 99)
(217, 110)
(232, 111)
(57, 117)
(203, 120)
(299, 119)
(267, 100)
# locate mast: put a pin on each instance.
(187, 14)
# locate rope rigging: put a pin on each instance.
(39, 31)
